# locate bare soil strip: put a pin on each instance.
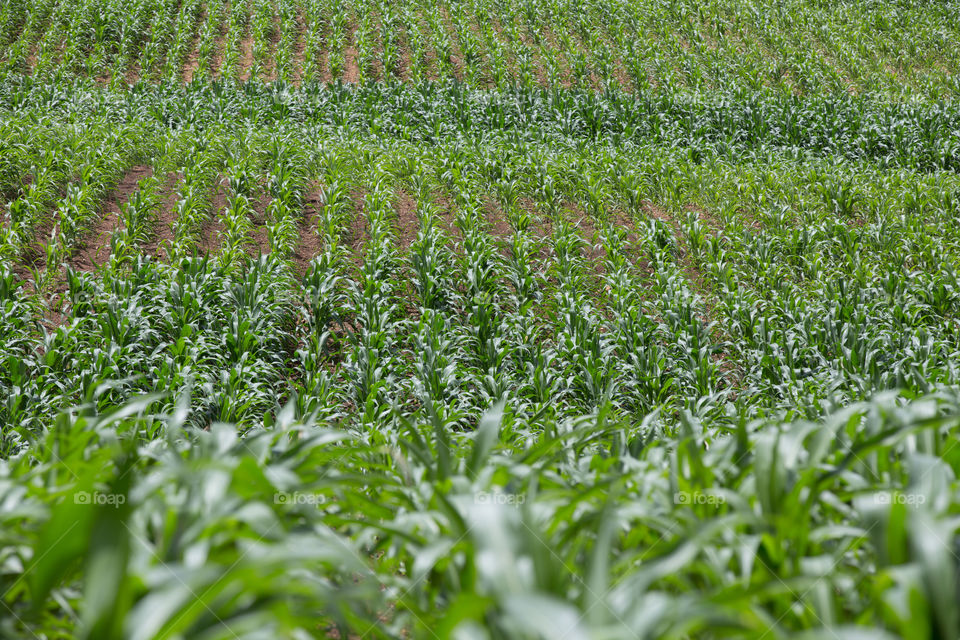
(378, 72)
(407, 224)
(166, 217)
(431, 70)
(310, 244)
(500, 227)
(212, 230)
(447, 217)
(246, 57)
(94, 249)
(405, 63)
(351, 70)
(456, 53)
(357, 234)
(258, 238)
(299, 48)
(192, 63)
(270, 67)
(220, 43)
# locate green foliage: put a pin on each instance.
(530, 319)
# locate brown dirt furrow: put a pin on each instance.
(246, 58)
(656, 212)
(630, 245)
(166, 217)
(357, 234)
(456, 52)
(211, 236)
(94, 249)
(500, 227)
(259, 238)
(220, 43)
(212, 230)
(190, 67)
(407, 224)
(622, 77)
(259, 206)
(34, 49)
(310, 244)
(377, 70)
(270, 68)
(448, 219)
(132, 74)
(259, 242)
(351, 70)
(192, 63)
(324, 71)
(431, 67)
(299, 48)
(405, 63)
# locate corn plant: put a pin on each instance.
(494, 319)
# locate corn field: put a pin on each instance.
(492, 319)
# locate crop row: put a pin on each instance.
(389, 359)
(410, 422)
(893, 49)
(546, 527)
(565, 277)
(907, 135)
